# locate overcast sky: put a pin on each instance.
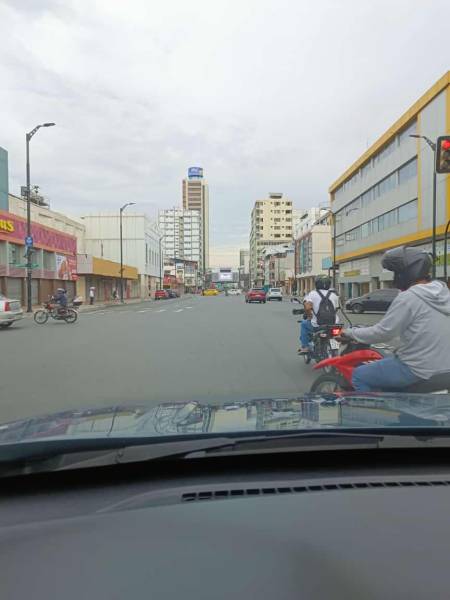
(265, 95)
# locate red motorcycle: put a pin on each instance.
(338, 371)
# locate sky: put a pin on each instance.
(265, 95)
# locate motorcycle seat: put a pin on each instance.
(434, 384)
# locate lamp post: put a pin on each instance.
(29, 249)
(122, 208)
(160, 261)
(432, 145)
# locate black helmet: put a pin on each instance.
(323, 283)
(408, 264)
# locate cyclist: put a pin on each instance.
(419, 316)
(321, 307)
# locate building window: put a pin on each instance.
(407, 212)
(404, 135)
(408, 171)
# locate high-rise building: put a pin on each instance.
(271, 224)
(244, 260)
(196, 197)
(182, 233)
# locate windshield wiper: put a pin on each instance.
(59, 455)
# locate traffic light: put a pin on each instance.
(443, 154)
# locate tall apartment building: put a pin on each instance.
(271, 224)
(182, 233)
(196, 197)
(384, 199)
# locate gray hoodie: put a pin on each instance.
(420, 317)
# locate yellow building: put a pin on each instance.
(384, 199)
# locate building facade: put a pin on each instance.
(384, 199)
(279, 267)
(4, 180)
(312, 248)
(244, 268)
(182, 231)
(271, 224)
(195, 192)
(142, 245)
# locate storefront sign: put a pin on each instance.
(14, 229)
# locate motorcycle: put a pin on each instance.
(322, 341)
(338, 371)
(69, 315)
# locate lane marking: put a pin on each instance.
(188, 307)
(161, 310)
(179, 310)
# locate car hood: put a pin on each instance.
(329, 411)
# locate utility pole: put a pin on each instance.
(29, 240)
(122, 208)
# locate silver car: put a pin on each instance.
(274, 294)
(10, 311)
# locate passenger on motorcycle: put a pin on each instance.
(419, 316)
(320, 309)
(60, 297)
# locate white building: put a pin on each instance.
(182, 233)
(312, 247)
(142, 244)
(279, 266)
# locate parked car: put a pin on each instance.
(256, 295)
(379, 300)
(211, 292)
(274, 294)
(10, 311)
(173, 294)
(161, 294)
(235, 292)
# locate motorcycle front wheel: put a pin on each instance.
(40, 317)
(329, 383)
(71, 316)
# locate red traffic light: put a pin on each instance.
(443, 154)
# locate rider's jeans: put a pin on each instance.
(386, 374)
(306, 329)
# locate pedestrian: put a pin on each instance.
(91, 295)
(114, 294)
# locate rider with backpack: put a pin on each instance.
(320, 309)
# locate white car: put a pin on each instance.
(10, 311)
(234, 292)
(274, 294)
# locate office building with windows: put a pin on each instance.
(182, 234)
(384, 199)
(271, 225)
(196, 198)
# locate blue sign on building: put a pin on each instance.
(195, 172)
(327, 263)
(4, 187)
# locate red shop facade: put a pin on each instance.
(54, 260)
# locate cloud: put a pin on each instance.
(265, 95)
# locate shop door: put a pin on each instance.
(14, 288)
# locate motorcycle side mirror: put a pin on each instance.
(298, 311)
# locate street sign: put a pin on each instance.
(24, 265)
(28, 241)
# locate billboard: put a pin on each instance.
(225, 275)
(195, 172)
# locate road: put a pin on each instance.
(210, 349)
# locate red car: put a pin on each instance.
(256, 295)
(161, 294)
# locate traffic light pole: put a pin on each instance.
(433, 235)
(334, 250)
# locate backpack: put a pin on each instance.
(326, 315)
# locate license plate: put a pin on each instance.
(334, 344)
(15, 305)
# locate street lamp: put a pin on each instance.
(29, 241)
(432, 145)
(122, 208)
(160, 262)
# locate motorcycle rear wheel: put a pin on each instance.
(71, 316)
(40, 317)
(328, 383)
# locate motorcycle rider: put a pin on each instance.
(419, 316)
(60, 297)
(312, 304)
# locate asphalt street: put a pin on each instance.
(211, 349)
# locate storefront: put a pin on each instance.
(53, 260)
(104, 276)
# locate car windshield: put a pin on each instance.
(223, 217)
